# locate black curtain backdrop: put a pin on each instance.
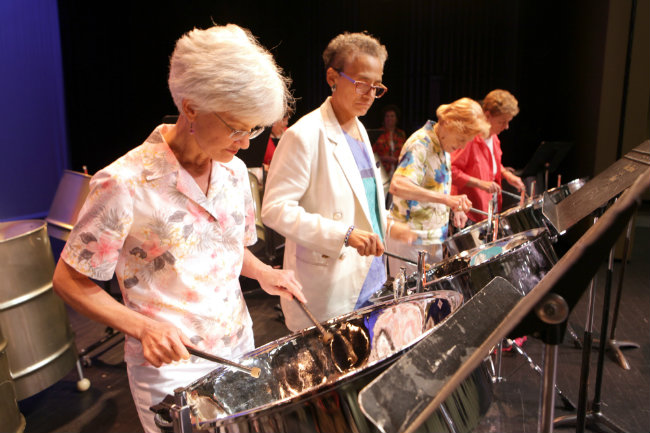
(116, 61)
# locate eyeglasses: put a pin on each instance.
(236, 134)
(363, 88)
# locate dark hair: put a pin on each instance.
(344, 46)
(390, 107)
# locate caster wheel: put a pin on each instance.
(83, 384)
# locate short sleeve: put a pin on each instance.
(96, 241)
(412, 161)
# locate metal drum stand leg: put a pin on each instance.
(553, 310)
(593, 417)
(613, 344)
(568, 404)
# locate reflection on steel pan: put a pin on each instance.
(303, 387)
(522, 259)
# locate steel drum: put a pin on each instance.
(515, 220)
(33, 318)
(522, 259)
(307, 386)
(512, 221)
(563, 191)
(68, 200)
(12, 419)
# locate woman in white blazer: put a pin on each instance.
(323, 191)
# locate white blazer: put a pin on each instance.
(313, 193)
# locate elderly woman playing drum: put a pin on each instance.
(476, 169)
(421, 184)
(323, 192)
(172, 218)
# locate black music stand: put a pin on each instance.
(546, 160)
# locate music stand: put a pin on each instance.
(546, 159)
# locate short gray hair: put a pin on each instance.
(225, 69)
(346, 45)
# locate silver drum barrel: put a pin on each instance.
(33, 318)
(309, 386)
(12, 420)
(68, 200)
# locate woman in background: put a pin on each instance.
(389, 144)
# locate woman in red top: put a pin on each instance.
(389, 144)
(476, 168)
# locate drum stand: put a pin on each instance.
(613, 344)
(496, 370)
(593, 417)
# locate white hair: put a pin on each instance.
(225, 69)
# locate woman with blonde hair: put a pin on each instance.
(477, 170)
(173, 217)
(421, 185)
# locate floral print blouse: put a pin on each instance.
(177, 254)
(425, 163)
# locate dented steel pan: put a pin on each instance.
(307, 386)
(522, 259)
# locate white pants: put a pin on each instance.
(410, 252)
(149, 385)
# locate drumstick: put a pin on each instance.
(253, 371)
(478, 211)
(513, 195)
(327, 336)
(404, 259)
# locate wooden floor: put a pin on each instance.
(107, 405)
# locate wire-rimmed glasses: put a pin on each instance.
(237, 134)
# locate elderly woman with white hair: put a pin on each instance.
(172, 219)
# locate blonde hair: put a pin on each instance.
(225, 69)
(346, 45)
(464, 116)
(499, 102)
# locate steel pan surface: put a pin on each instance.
(515, 220)
(308, 386)
(522, 259)
(561, 192)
